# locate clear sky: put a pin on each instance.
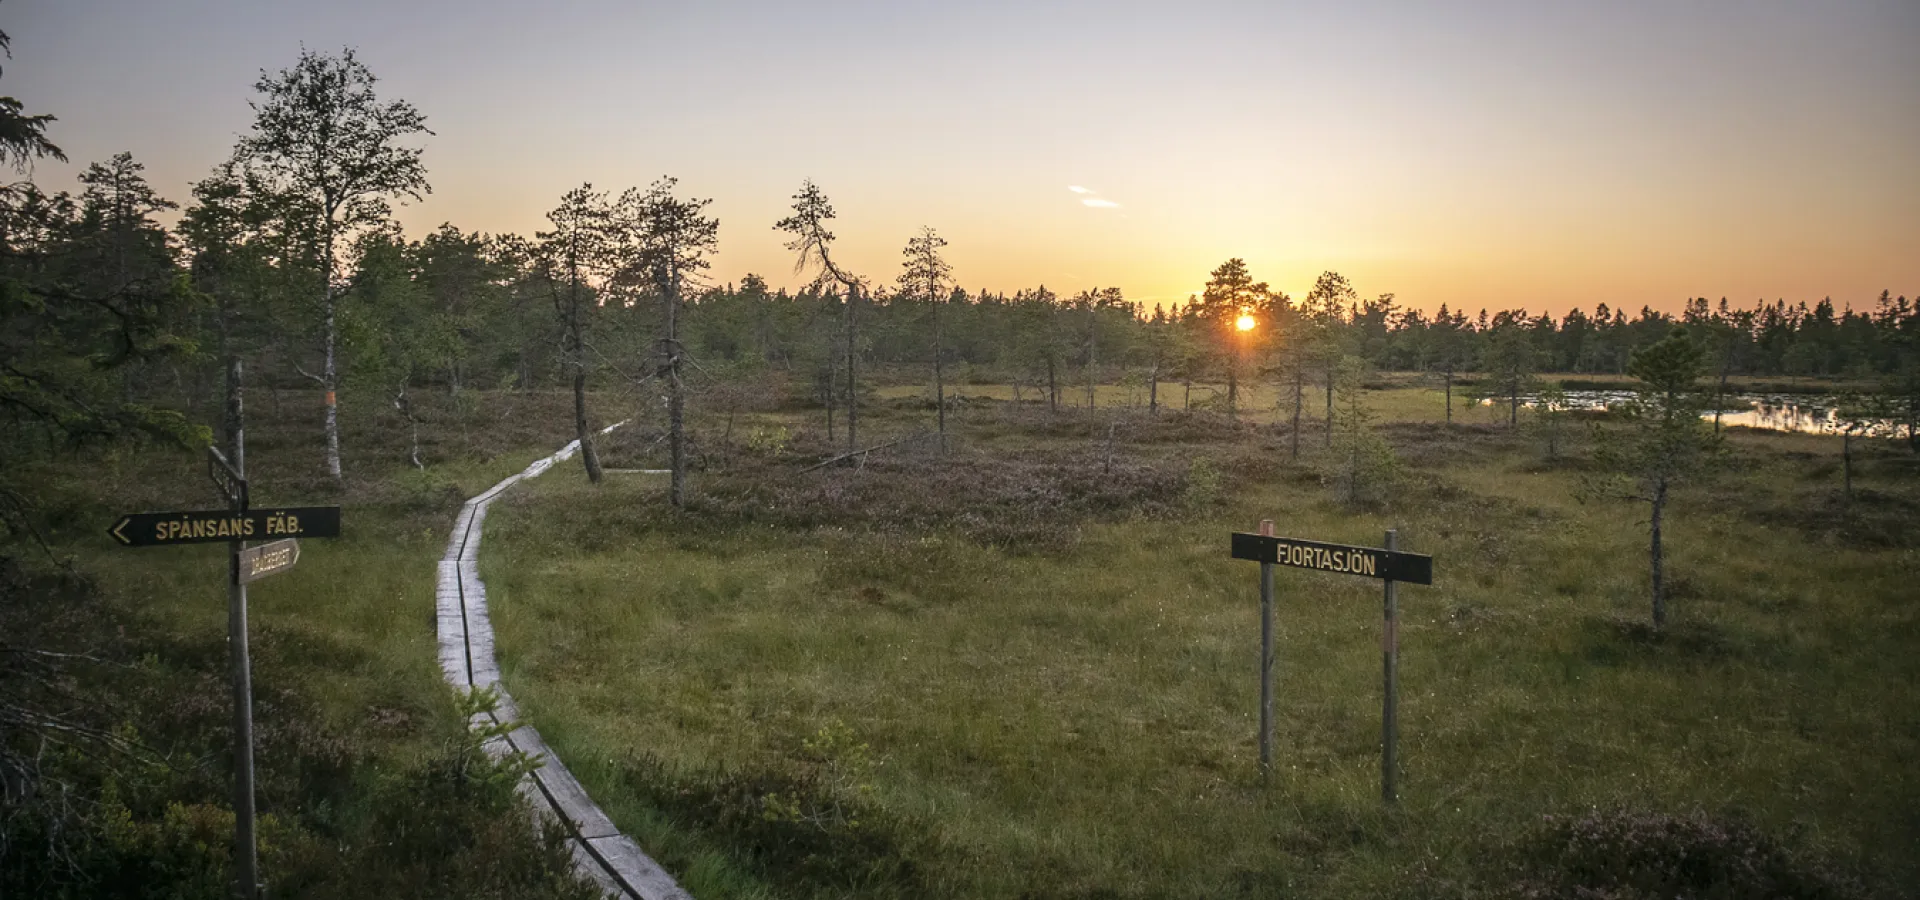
(1526, 153)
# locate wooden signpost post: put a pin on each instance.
(1387, 564)
(236, 525)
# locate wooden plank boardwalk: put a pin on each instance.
(467, 658)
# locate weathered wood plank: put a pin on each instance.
(468, 660)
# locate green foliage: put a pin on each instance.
(1665, 439)
(1204, 484)
(1363, 465)
(1550, 414)
(1510, 361)
(496, 769)
(770, 441)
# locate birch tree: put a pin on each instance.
(331, 149)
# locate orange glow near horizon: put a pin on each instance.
(1489, 156)
(1245, 322)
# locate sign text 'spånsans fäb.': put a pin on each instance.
(211, 526)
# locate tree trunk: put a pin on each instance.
(827, 392)
(1233, 388)
(329, 378)
(1053, 386)
(1513, 408)
(1093, 366)
(853, 384)
(1153, 389)
(580, 429)
(1654, 557)
(576, 351)
(235, 415)
(1331, 365)
(404, 405)
(676, 428)
(1449, 395)
(676, 398)
(1299, 400)
(939, 378)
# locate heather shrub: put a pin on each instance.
(1632, 855)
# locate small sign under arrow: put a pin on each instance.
(268, 559)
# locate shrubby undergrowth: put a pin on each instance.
(130, 797)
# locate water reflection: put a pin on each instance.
(1774, 412)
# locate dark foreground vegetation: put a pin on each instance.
(116, 708)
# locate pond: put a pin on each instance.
(1804, 413)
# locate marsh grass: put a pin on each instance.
(368, 782)
(1079, 721)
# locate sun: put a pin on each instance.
(1245, 323)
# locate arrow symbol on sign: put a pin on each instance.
(117, 526)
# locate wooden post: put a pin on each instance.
(1390, 657)
(1266, 660)
(245, 845)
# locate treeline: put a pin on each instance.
(287, 261)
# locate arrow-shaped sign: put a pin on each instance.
(214, 526)
(268, 559)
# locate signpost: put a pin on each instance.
(236, 525)
(1387, 564)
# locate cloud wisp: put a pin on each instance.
(1092, 198)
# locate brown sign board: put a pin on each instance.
(268, 559)
(1371, 562)
(219, 525)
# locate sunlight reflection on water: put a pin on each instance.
(1806, 415)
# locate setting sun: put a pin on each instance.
(1244, 323)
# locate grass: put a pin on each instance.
(809, 685)
(367, 782)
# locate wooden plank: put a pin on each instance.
(603, 877)
(636, 869)
(563, 790)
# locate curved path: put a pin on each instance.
(600, 851)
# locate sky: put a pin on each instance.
(1531, 153)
